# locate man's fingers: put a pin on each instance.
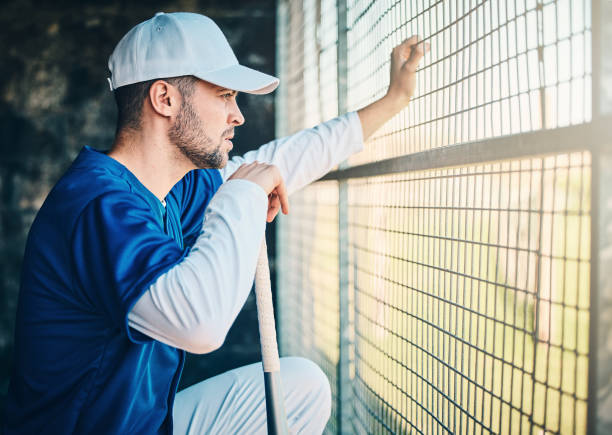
(411, 47)
(271, 215)
(404, 49)
(414, 39)
(274, 206)
(418, 51)
(281, 191)
(277, 200)
(269, 178)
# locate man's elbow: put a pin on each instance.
(204, 339)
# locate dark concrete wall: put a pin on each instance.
(55, 99)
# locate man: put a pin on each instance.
(149, 250)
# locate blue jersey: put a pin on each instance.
(98, 242)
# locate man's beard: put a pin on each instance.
(188, 134)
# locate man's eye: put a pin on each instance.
(228, 95)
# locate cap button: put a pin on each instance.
(159, 13)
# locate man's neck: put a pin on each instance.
(153, 160)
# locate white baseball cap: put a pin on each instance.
(182, 44)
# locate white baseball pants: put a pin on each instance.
(234, 402)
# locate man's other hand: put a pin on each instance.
(269, 178)
(405, 60)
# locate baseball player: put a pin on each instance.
(147, 251)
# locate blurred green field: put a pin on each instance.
(471, 295)
(437, 298)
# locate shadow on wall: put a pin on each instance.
(21, 183)
(55, 99)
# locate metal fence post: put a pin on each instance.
(600, 348)
(345, 389)
(282, 14)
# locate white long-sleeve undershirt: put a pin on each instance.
(308, 154)
(193, 305)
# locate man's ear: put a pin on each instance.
(164, 98)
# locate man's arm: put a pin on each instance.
(193, 304)
(309, 154)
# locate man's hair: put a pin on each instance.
(130, 99)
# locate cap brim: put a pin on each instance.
(241, 78)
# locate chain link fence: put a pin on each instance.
(450, 277)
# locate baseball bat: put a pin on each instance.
(275, 404)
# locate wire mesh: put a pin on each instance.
(469, 286)
(307, 47)
(307, 300)
(496, 67)
(309, 322)
(472, 296)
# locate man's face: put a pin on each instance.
(205, 124)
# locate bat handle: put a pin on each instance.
(275, 404)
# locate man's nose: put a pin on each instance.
(235, 115)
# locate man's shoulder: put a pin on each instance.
(78, 187)
(55, 222)
(83, 183)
